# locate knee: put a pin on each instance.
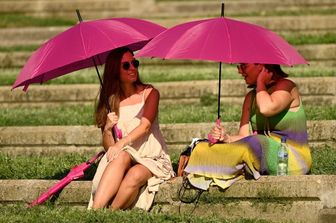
(135, 178)
(123, 158)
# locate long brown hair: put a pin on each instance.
(111, 86)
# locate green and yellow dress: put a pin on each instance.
(224, 163)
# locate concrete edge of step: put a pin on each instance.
(179, 133)
(320, 187)
(300, 198)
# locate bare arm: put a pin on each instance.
(149, 115)
(270, 104)
(108, 140)
(219, 132)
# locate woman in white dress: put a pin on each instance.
(130, 172)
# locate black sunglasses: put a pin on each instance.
(242, 66)
(126, 65)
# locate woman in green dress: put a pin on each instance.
(272, 110)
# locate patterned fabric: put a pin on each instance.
(224, 163)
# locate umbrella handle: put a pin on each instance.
(117, 132)
(211, 139)
(97, 156)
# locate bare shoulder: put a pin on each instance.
(284, 84)
(248, 100)
(151, 91)
(249, 95)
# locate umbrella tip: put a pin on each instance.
(79, 16)
(222, 11)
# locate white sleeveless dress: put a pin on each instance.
(150, 150)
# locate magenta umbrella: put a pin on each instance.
(84, 45)
(222, 40)
(75, 173)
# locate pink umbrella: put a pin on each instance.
(75, 173)
(84, 45)
(222, 40)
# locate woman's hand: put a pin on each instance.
(264, 77)
(219, 133)
(113, 152)
(216, 131)
(111, 120)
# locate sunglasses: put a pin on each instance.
(242, 66)
(126, 65)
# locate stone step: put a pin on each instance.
(280, 24)
(313, 53)
(65, 9)
(81, 139)
(314, 90)
(278, 199)
(151, 8)
(168, 9)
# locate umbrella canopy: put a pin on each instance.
(75, 173)
(222, 40)
(83, 45)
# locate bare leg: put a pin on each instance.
(111, 180)
(135, 178)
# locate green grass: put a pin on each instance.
(301, 39)
(58, 166)
(10, 20)
(50, 213)
(61, 115)
(40, 167)
(155, 71)
(168, 114)
(18, 48)
(324, 160)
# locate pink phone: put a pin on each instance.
(211, 139)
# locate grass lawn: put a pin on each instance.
(168, 114)
(49, 213)
(10, 20)
(57, 166)
(154, 71)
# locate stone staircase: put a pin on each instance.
(279, 17)
(83, 139)
(308, 199)
(232, 91)
(278, 199)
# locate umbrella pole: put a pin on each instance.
(80, 19)
(102, 86)
(107, 104)
(220, 76)
(219, 89)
